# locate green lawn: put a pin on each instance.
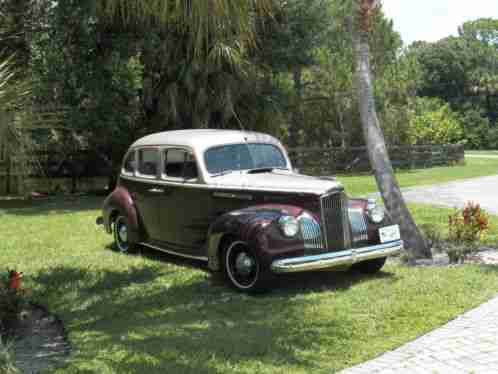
(474, 167)
(489, 152)
(150, 314)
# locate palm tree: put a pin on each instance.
(374, 137)
(198, 73)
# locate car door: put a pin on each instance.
(147, 190)
(184, 209)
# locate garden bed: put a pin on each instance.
(36, 342)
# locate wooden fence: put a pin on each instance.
(82, 171)
(330, 161)
(52, 172)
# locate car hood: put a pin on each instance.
(277, 181)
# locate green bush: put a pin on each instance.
(478, 133)
(431, 121)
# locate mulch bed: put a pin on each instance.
(38, 341)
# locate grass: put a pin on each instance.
(6, 360)
(489, 152)
(151, 313)
(474, 167)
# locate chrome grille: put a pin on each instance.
(335, 221)
(358, 223)
(310, 230)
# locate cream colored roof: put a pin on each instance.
(202, 139)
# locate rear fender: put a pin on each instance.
(120, 202)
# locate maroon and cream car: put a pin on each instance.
(232, 199)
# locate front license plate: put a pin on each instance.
(389, 234)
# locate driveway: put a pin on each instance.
(482, 190)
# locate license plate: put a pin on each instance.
(389, 234)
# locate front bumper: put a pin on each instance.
(336, 259)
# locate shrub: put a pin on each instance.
(431, 121)
(432, 235)
(465, 229)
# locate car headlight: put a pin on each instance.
(289, 225)
(376, 213)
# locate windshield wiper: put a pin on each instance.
(265, 170)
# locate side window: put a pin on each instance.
(130, 163)
(147, 162)
(190, 170)
(179, 163)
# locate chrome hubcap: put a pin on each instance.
(244, 264)
(122, 233)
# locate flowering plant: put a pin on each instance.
(12, 298)
(468, 224)
(466, 227)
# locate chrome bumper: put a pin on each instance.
(336, 259)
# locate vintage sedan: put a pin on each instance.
(232, 199)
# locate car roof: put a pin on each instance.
(202, 139)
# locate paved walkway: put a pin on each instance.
(468, 344)
(482, 190)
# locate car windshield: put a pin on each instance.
(245, 156)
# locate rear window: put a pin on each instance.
(148, 161)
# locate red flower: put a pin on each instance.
(15, 280)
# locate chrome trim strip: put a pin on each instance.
(201, 258)
(335, 259)
(227, 195)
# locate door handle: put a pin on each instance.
(156, 190)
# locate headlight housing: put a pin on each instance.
(289, 225)
(376, 212)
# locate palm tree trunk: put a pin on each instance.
(377, 150)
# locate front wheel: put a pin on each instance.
(121, 230)
(243, 269)
(370, 266)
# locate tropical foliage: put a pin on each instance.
(122, 69)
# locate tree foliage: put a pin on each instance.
(431, 121)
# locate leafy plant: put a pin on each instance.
(432, 235)
(466, 227)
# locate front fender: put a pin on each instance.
(120, 202)
(258, 227)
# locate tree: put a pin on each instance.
(463, 71)
(374, 138)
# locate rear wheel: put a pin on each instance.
(121, 230)
(243, 268)
(370, 266)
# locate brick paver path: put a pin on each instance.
(468, 344)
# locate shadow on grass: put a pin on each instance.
(167, 320)
(52, 205)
